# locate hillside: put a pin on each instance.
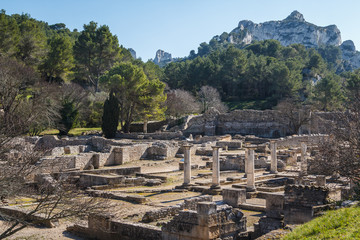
(339, 224)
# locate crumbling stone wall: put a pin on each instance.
(267, 123)
(301, 203)
(106, 228)
(233, 163)
(210, 221)
(189, 204)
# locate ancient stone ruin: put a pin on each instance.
(169, 185)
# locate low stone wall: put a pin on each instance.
(302, 203)
(295, 141)
(162, 150)
(267, 123)
(152, 126)
(106, 228)
(210, 221)
(22, 215)
(232, 163)
(189, 204)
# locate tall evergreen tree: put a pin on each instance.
(95, 52)
(110, 118)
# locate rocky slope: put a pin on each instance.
(291, 30)
(294, 29)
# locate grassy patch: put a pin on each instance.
(74, 131)
(338, 224)
(254, 104)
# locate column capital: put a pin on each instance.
(273, 141)
(187, 146)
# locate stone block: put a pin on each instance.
(274, 205)
(96, 160)
(206, 208)
(234, 197)
(67, 150)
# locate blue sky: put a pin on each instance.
(178, 26)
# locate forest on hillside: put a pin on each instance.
(52, 77)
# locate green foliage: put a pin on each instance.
(9, 34)
(353, 85)
(137, 95)
(59, 59)
(69, 115)
(95, 51)
(329, 93)
(110, 118)
(339, 224)
(263, 71)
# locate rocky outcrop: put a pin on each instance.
(350, 55)
(132, 52)
(293, 29)
(162, 58)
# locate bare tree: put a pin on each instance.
(180, 102)
(209, 97)
(23, 105)
(340, 152)
(294, 113)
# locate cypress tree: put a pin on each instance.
(110, 118)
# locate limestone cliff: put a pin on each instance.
(162, 58)
(293, 29)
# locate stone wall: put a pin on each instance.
(189, 204)
(210, 221)
(267, 123)
(106, 228)
(301, 203)
(233, 163)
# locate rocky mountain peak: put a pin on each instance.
(162, 57)
(293, 29)
(295, 16)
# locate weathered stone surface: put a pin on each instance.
(105, 227)
(233, 196)
(209, 222)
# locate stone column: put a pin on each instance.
(187, 164)
(303, 166)
(273, 167)
(246, 160)
(250, 175)
(216, 167)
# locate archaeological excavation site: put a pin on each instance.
(236, 175)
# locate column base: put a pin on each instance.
(212, 191)
(274, 172)
(184, 186)
(250, 189)
(215, 186)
